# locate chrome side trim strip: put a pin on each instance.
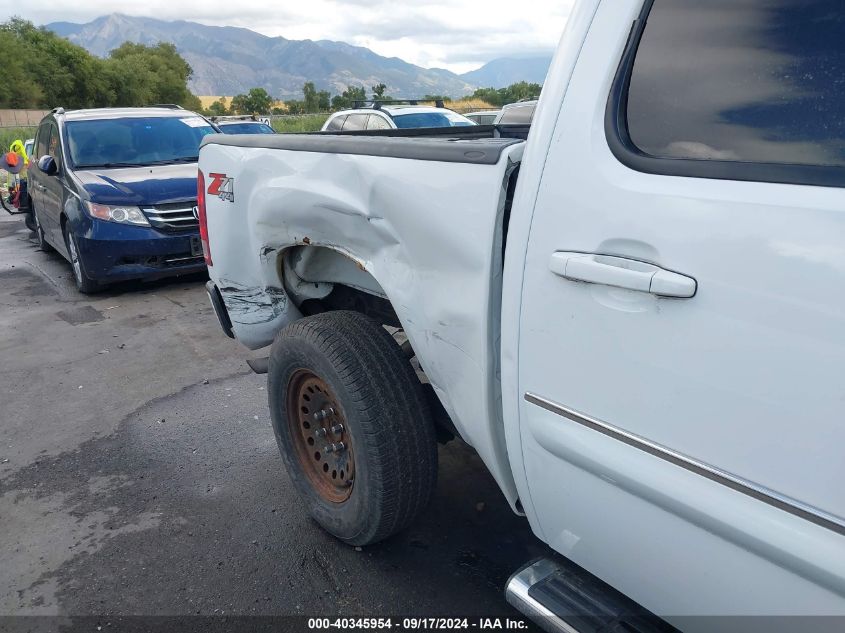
(755, 491)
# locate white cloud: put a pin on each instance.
(459, 35)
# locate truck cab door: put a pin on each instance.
(681, 344)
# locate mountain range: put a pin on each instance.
(231, 60)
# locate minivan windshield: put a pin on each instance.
(135, 141)
(430, 119)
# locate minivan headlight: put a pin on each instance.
(121, 213)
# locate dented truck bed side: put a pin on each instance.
(422, 221)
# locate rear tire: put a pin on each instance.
(39, 233)
(345, 365)
(84, 283)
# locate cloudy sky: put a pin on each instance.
(456, 34)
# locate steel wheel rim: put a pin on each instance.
(320, 436)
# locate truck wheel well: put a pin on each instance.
(320, 279)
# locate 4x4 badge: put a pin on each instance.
(222, 186)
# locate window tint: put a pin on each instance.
(136, 140)
(355, 122)
(336, 124)
(483, 119)
(431, 119)
(54, 145)
(741, 80)
(376, 122)
(41, 141)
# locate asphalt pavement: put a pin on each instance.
(139, 474)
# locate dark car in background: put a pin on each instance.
(114, 192)
(242, 125)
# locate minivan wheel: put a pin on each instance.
(84, 283)
(39, 233)
(353, 425)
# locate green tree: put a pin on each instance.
(309, 93)
(20, 90)
(314, 101)
(256, 101)
(348, 97)
(145, 75)
(378, 92)
(514, 92)
(324, 102)
(295, 107)
(43, 70)
(219, 107)
(65, 74)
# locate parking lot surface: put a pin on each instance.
(139, 474)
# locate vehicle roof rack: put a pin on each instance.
(169, 106)
(376, 104)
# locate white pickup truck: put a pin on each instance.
(636, 317)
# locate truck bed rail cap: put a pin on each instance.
(486, 151)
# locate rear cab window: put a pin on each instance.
(753, 86)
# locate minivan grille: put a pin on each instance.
(176, 216)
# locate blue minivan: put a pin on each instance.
(114, 192)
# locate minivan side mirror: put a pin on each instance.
(47, 164)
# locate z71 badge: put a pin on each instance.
(222, 186)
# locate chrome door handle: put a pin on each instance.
(622, 272)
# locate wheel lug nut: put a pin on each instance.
(335, 448)
(337, 429)
(321, 432)
(323, 414)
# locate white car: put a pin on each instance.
(519, 113)
(636, 317)
(483, 117)
(391, 116)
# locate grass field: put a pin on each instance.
(299, 123)
(9, 134)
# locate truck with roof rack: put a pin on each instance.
(634, 316)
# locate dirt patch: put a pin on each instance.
(21, 282)
(78, 316)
